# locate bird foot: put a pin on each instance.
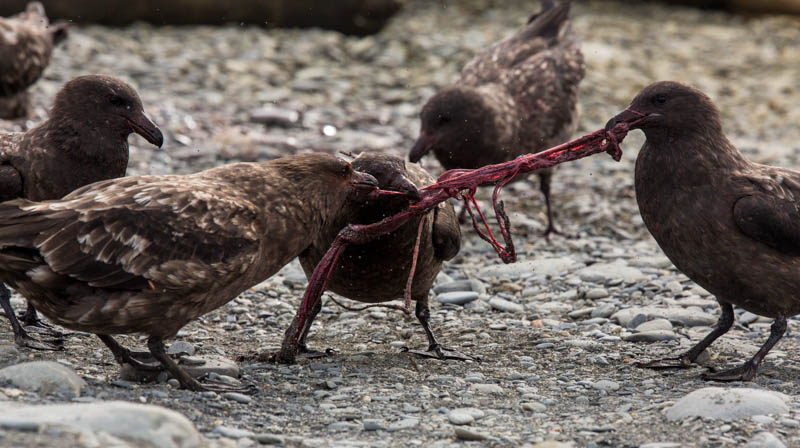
(38, 326)
(305, 352)
(443, 354)
(143, 361)
(23, 339)
(216, 386)
(745, 372)
(552, 230)
(680, 362)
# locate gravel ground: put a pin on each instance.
(557, 332)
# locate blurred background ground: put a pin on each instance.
(556, 367)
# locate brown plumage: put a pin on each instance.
(518, 96)
(26, 44)
(148, 254)
(731, 225)
(84, 141)
(377, 271)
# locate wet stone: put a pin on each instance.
(457, 297)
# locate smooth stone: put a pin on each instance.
(487, 388)
(138, 424)
(504, 305)
(44, 377)
(457, 297)
(765, 440)
(373, 425)
(603, 272)
(651, 336)
(180, 348)
(465, 434)
(658, 262)
(548, 267)
(728, 404)
(685, 317)
(211, 364)
(406, 423)
(553, 444)
(762, 419)
(268, 439)
(473, 285)
(605, 310)
(655, 324)
(233, 433)
(534, 406)
(606, 385)
(235, 396)
(661, 445)
(459, 417)
(596, 293)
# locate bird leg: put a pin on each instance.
(156, 346)
(544, 187)
(747, 371)
(21, 337)
(302, 347)
(435, 350)
(32, 323)
(124, 356)
(687, 359)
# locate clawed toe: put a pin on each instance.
(442, 353)
(25, 340)
(314, 354)
(745, 372)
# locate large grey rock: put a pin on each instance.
(603, 272)
(728, 404)
(44, 377)
(765, 440)
(140, 425)
(550, 267)
(685, 317)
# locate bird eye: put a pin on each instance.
(116, 100)
(660, 99)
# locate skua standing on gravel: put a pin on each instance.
(148, 254)
(84, 141)
(731, 225)
(516, 97)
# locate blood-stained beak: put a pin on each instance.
(363, 181)
(424, 144)
(630, 116)
(147, 129)
(402, 184)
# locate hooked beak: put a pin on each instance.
(630, 116)
(363, 182)
(147, 129)
(402, 184)
(423, 144)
